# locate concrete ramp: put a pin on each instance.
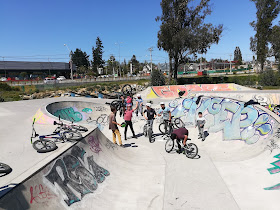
(93, 174)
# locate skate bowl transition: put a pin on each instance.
(236, 168)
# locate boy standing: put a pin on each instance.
(113, 125)
(127, 117)
(200, 122)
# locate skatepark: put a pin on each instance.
(236, 167)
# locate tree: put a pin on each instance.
(80, 58)
(135, 64)
(97, 53)
(157, 78)
(183, 31)
(267, 11)
(275, 44)
(238, 56)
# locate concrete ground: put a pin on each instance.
(143, 175)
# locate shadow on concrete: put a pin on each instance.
(130, 145)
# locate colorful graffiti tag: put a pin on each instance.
(69, 114)
(274, 170)
(172, 91)
(42, 118)
(77, 174)
(236, 121)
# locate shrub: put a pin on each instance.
(157, 78)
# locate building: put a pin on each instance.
(14, 69)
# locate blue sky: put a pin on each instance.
(33, 30)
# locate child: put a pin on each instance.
(139, 105)
(127, 117)
(113, 125)
(200, 122)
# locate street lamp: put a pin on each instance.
(119, 43)
(71, 64)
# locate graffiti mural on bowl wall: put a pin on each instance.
(274, 170)
(76, 175)
(236, 121)
(172, 91)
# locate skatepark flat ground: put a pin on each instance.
(143, 175)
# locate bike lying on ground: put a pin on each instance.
(190, 149)
(147, 130)
(4, 169)
(46, 143)
(167, 127)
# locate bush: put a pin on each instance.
(157, 78)
(269, 78)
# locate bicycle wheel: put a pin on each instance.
(161, 128)
(127, 89)
(150, 135)
(79, 128)
(192, 150)
(145, 130)
(116, 104)
(169, 145)
(44, 145)
(179, 123)
(99, 120)
(5, 169)
(72, 135)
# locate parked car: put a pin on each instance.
(61, 78)
(48, 80)
(3, 79)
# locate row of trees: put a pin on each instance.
(87, 66)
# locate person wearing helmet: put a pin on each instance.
(139, 105)
(150, 116)
(165, 113)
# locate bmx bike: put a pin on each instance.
(147, 130)
(46, 143)
(167, 127)
(190, 149)
(4, 169)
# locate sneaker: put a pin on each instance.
(199, 137)
(178, 151)
(203, 139)
(122, 146)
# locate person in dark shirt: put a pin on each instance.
(180, 134)
(150, 116)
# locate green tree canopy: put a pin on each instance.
(275, 43)
(267, 11)
(97, 53)
(238, 55)
(183, 31)
(80, 58)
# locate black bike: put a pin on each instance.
(190, 149)
(4, 169)
(147, 130)
(167, 127)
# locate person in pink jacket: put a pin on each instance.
(127, 118)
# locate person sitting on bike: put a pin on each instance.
(151, 114)
(180, 134)
(139, 105)
(166, 114)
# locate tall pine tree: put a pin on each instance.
(97, 53)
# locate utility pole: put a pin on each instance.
(230, 61)
(4, 66)
(70, 62)
(119, 43)
(151, 50)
